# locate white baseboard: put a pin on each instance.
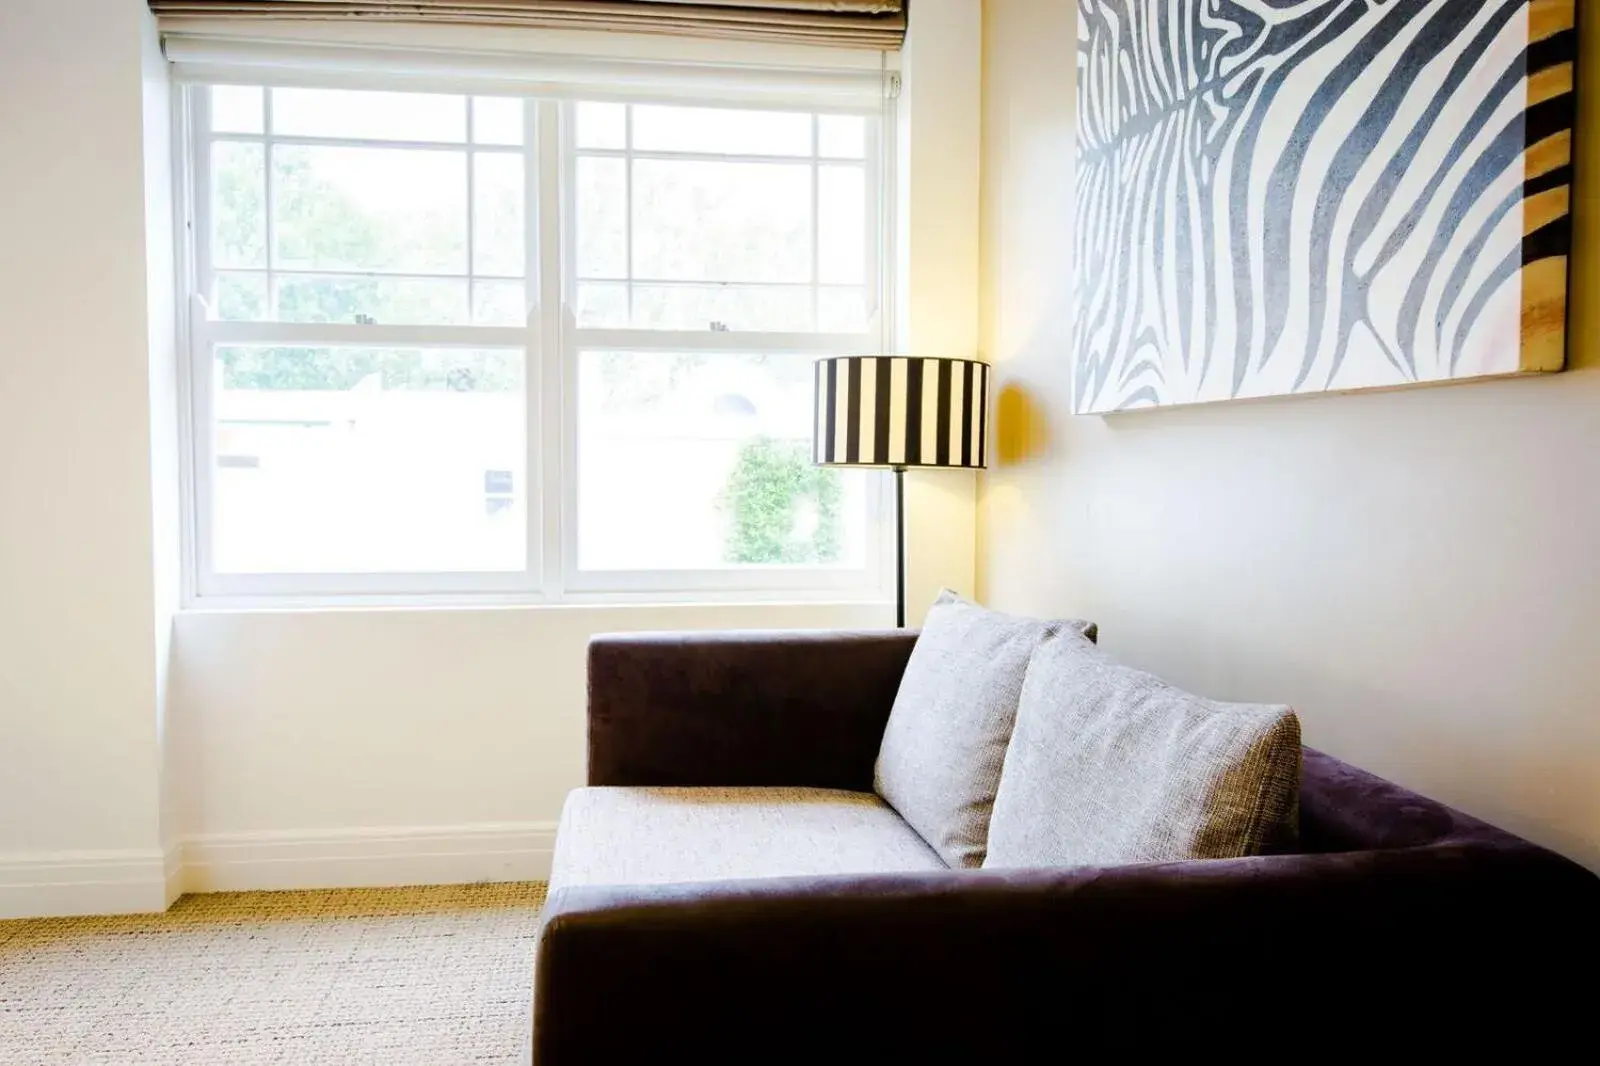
(65, 883)
(369, 858)
(131, 882)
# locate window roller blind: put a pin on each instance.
(879, 24)
(203, 59)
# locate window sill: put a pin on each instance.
(572, 604)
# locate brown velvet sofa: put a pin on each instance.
(1398, 923)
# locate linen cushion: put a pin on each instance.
(1109, 765)
(635, 836)
(939, 763)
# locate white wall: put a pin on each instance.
(1417, 572)
(162, 341)
(315, 747)
(79, 763)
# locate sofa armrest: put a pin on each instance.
(742, 709)
(1450, 944)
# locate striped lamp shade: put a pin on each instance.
(902, 411)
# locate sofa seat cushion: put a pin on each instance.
(611, 836)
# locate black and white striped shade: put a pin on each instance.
(902, 411)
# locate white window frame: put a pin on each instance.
(551, 340)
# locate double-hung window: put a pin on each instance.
(453, 343)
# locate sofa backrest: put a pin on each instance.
(1343, 808)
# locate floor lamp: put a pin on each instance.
(900, 412)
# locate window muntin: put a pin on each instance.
(370, 260)
(700, 218)
(332, 205)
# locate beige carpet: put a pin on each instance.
(425, 976)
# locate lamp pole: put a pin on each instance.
(900, 547)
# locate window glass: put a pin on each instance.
(841, 225)
(369, 261)
(602, 125)
(602, 218)
(237, 109)
(720, 131)
(842, 309)
(238, 205)
(369, 460)
(842, 136)
(370, 300)
(385, 209)
(702, 243)
(497, 199)
(496, 120)
(709, 221)
(344, 217)
(369, 116)
(710, 452)
(499, 303)
(780, 308)
(603, 305)
(239, 297)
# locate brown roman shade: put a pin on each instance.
(842, 23)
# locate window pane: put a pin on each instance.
(369, 115)
(496, 120)
(602, 305)
(733, 307)
(842, 136)
(388, 301)
(602, 125)
(706, 221)
(842, 224)
(366, 460)
(241, 297)
(499, 303)
(371, 209)
(841, 310)
(238, 205)
(497, 214)
(602, 218)
(711, 453)
(236, 109)
(713, 129)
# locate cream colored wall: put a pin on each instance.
(940, 141)
(161, 281)
(1415, 571)
(303, 722)
(79, 759)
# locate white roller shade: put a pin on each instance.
(877, 24)
(201, 58)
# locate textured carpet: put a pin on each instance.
(426, 976)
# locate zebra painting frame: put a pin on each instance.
(1323, 196)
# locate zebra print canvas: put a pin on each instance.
(1294, 196)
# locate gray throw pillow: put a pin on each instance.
(1108, 765)
(947, 733)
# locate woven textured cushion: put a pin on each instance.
(946, 737)
(632, 836)
(1109, 765)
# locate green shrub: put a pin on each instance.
(771, 480)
